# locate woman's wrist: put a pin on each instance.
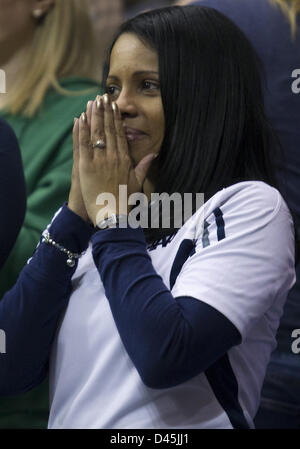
(78, 208)
(70, 231)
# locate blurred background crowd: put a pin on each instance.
(53, 53)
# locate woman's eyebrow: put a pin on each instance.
(139, 72)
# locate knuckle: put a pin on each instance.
(99, 133)
(84, 142)
(109, 128)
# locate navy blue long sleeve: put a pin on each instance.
(12, 190)
(30, 311)
(165, 337)
(169, 340)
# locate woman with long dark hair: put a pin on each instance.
(273, 28)
(169, 326)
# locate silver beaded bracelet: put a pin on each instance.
(71, 256)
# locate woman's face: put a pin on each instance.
(133, 83)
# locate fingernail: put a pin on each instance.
(83, 117)
(98, 102)
(114, 106)
(88, 104)
(106, 99)
(75, 118)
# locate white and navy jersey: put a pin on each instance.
(241, 263)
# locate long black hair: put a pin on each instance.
(217, 133)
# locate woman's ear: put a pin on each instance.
(41, 7)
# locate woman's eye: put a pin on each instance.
(146, 85)
(149, 85)
(111, 90)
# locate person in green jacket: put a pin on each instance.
(48, 54)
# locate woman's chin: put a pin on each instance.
(137, 153)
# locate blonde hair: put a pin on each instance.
(291, 8)
(63, 45)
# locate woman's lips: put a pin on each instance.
(134, 134)
(133, 137)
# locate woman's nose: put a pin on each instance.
(126, 104)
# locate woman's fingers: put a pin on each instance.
(76, 140)
(89, 109)
(97, 121)
(120, 132)
(85, 147)
(104, 121)
(109, 128)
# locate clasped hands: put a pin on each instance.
(97, 170)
